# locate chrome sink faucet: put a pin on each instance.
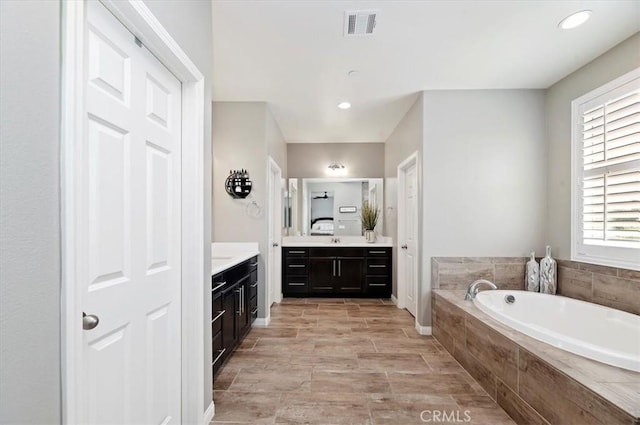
(335, 240)
(475, 287)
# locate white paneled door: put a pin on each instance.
(275, 233)
(409, 232)
(130, 201)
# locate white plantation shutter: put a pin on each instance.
(607, 175)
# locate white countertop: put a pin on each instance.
(345, 241)
(225, 255)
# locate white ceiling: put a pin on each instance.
(293, 55)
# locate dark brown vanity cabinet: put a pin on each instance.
(336, 271)
(234, 307)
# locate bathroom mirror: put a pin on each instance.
(331, 206)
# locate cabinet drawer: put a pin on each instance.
(217, 282)
(296, 266)
(253, 308)
(217, 346)
(253, 289)
(295, 252)
(219, 353)
(294, 285)
(378, 252)
(378, 286)
(216, 314)
(377, 266)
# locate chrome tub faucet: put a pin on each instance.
(473, 289)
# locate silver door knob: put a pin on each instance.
(275, 244)
(89, 321)
(403, 247)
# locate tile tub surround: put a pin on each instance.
(533, 381)
(608, 286)
(345, 361)
(458, 272)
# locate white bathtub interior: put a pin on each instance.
(590, 330)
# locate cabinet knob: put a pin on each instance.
(404, 247)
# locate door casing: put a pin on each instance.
(140, 21)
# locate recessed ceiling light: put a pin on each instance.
(575, 20)
(353, 73)
(344, 105)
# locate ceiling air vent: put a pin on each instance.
(359, 22)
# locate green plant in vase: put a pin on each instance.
(369, 217)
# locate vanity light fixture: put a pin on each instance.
(574, 20)
(344, 105)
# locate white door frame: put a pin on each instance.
(138, 19)
(413, 159)
(273, 207)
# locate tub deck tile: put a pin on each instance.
(563, 388)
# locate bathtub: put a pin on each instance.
(596, 332)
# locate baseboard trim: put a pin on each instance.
(423, 330)
(262, 322)
(209, 413)
(394, 300)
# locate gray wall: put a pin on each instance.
(614, 63)
(309, 160)
(405, 139)
(276, 145)
(483, 176)
(30, 196)
(244, 134)
(29, 212)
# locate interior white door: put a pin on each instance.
(130, 194)
(409, 247)
(275, 232)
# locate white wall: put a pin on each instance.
(484, 175)
(29, 187)
(405, 139)
(614, 63)
(362, 160)
(29, 212)
(244, 134)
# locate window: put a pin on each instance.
(606, 174)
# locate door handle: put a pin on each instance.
(334, 267)
(275, 244)
(89, 321)
(339, 268)
(404, 247)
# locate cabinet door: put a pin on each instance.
(321, 274)
(349, 275)
(229, 322)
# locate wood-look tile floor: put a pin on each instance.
(346, 361)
